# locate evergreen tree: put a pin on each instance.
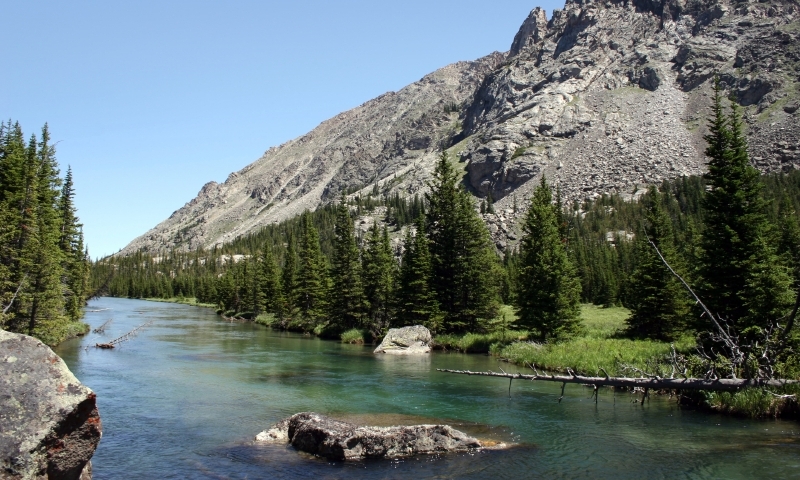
(548, 288)
(312, 280)
(659, 303)
(416, 299)
(271, 291)
(289, 277)
(739, 267)
(461, 253)
(379, 280)
(71, 244)
(347, 302)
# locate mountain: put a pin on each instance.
(602, 97)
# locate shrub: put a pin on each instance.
(353, 335)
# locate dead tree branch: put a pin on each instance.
(14, 297)
(123, 338)
(102, 328)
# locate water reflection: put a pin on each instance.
(185, 397)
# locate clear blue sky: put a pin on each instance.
(149, 100)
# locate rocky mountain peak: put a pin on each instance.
(604, 97)
(531, 32)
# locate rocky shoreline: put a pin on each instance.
(50, 423)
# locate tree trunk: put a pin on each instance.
(721, 384)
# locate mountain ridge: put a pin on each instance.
(603, 97)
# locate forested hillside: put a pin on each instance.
(44, 267)
(603, 239)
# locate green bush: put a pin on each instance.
(353, 335)
(266, 319)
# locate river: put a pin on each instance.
(185, 397)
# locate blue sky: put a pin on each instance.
(149, 100)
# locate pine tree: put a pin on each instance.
(270, 289)
(347, 302)
(549, 288)
(380, 274)
(416, 299)
(659, 304)
(312, 278)
(289, 278)
(461, 253)
(739, 267)
(71, 244)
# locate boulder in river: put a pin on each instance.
(406, 341)
(335, 440)
(49, 424)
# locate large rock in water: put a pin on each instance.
(335, 440)
(406, 341)
(49, 425)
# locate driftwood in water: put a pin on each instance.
(656, 383)
(102, 328)
(122, 338)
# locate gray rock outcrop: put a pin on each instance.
(406, 341)
(336, 440)
(602, 97)
(49, 424)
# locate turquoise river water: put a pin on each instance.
(186, 396)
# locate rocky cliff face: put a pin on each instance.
(607, 95)
(600, 98)
(49, 425)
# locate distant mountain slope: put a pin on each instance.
(602, 97)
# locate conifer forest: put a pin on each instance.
(44, 265)
(733, 235)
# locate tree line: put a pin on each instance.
(732, 233)
(44, 267)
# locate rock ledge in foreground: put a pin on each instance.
(406, 341)
(336, 440)
(49, 425)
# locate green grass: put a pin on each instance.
(586, 355)
(598, 347)
(749, 402)
(266, 319)
(478, 342)
(183, 300)
(77, 329)
(603, 322)
(353, 335)
(518, 152)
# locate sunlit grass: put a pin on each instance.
(603, 322)
(353, 335)
(586, 355)
(183, 300)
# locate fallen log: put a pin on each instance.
(657, 383)
(102, 328)
(122, 338)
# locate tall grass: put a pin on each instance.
(586, 355)
(478, 342)
(750, 402)
(353, 335)
(600, 346)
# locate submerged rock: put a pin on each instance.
(406, 341)
(49, 424)
(336, 440)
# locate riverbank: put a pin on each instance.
(600, 346)
(187, 395)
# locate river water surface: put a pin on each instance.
(186, 396)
